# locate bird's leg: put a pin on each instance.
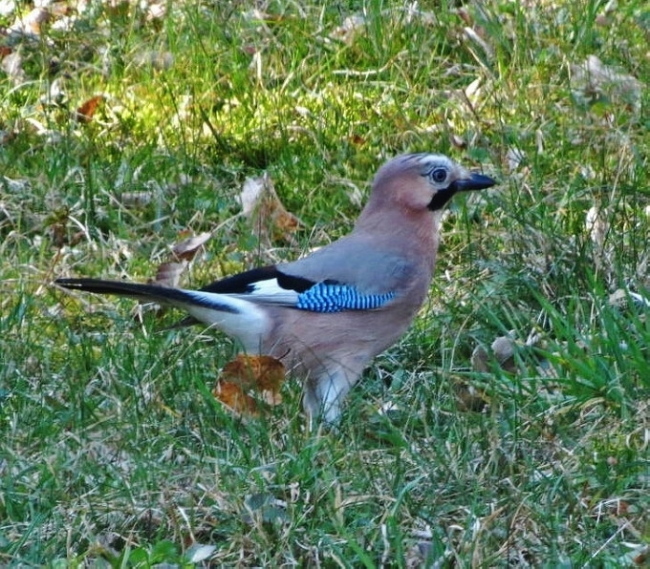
(325, 394)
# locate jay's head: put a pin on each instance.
(424, 181)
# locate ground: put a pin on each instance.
(510, 427)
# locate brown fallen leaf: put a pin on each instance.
(169, 274)
(262, 375)
(59, 9)
(12, 65)
(156, 11)
(30, 24)
(86, 111)
(625, 299)
(502, 350)
(188, 248)
(233, 396)
(7, 136)
(267, 215)
(470, 398)
(642, 557)
(457, 141)
(592, 79)
(475, 37)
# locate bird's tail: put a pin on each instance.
(237, 317)
(186, 299)
(151, 293)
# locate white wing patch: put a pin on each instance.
(269, 292)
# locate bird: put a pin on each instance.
(328, 314)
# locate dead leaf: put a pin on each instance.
(57, 226)
(169, 274)
(233, 396)
(457, 141)
(469, 398)
(7, 136)
(502, 350)
(86, 111)
(59, 9)
(597, 226)
(623, 299)
(31, 23)
(249, 49)
(480, 359)
(262, 375)
(472, 35)
(12, 65)
(15, 186)
(268, 217)
(7, 7)
(592, 79)
(643, 556)
(250, 194)
(197, 552)
(414, 14)
(156, 11)
(465, 15)
(188, 248)
(56, 94)
(514, 158)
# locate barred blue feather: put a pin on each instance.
(330, 297)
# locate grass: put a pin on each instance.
(113, 450)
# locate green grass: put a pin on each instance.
(113, 450)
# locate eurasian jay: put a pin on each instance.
(326, 316)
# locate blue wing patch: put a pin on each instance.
(330, 297)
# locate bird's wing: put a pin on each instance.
(275, 285)
(357, 263)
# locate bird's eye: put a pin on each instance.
(439, 175)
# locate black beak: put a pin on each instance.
(474, 182)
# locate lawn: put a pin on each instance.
(509, 427)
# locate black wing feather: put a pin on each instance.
(244, 283)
